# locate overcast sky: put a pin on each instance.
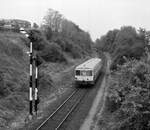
(95, 16)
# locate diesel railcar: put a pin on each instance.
(87, 72)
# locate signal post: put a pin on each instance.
(32, 59)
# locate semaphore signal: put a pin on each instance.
(36, 85)
(29, 36)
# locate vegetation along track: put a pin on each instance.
(59, 116)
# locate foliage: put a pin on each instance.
(77, 35)
(2, 22)
(105, 43)
(45, 82)
(3, 90)
(68, 38)
(38, 39)
(47, 32)
(53, 19)
(124, 42)
(52, 53)
(130, 89)
(64, 32)
(35, 26)
(68, 46)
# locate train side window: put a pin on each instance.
(77, 72)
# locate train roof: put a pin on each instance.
(89, 64)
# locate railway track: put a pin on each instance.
(60, 115)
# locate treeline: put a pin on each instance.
(127, 104)
(121, 43)
(58, 38)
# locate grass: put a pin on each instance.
(13, 74)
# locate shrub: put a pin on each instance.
(16, 51)
(37, 38)
(130, 88)
(6, 85)
(68, 46)
(53, 53)
(2, 85)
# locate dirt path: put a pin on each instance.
(98, 103)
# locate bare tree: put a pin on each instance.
(53, 19)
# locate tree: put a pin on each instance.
(35, 25)
(60, 30)
(53, 53)
(2, 22)
(107, 42)
(53, 19)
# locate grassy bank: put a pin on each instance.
(54, 76)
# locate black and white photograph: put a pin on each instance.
(74, 65)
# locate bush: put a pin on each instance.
(75, 53)
(45, 81)
(130, 88)
(37, 38)
(68, 46)
(16, 51)
(48, 32)
(3, 90)
(53, 53)
(124, 42)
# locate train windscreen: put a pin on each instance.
(83, 72)
(77, 72)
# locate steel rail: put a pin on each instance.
(74, 106)
(56, 110)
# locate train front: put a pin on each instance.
(84, 76)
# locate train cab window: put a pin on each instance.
(77, 72)
(86, 73)
(89, 73)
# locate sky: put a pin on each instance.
(94, 16)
